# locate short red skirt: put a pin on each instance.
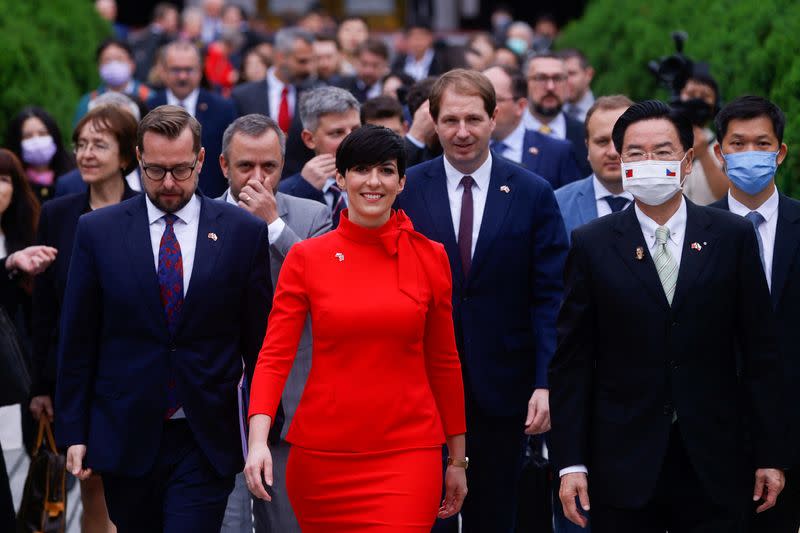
(397, 492)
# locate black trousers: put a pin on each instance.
(181, 493)
(680, 503)
(785, 516)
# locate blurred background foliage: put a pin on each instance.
(750, 47)
(48, 57)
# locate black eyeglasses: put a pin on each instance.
(179, 173)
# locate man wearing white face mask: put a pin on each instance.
(750, 150)
(667, 357)
(116, 66)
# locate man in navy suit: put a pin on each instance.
(506, 242)
(183, 72)
(667, 355)
(551, 158)
(547, 91)
(328, 114)
(751, 148)
(601, 193)
(166, 303)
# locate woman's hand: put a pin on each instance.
(259, 460)
(455, 483)
(32, 260)
(42, 405)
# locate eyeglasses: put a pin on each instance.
(662, 154)
(99, 147)
(179, 173)
(543, 79)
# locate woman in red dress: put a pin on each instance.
(385, 385)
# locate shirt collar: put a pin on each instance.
(273, 80)
(586, 101)
(427, 58)
(481, 175)
(190, 102)
(516, 138)
(188, 213)
(676, 224)
(229, 197)
(767, 210)
(329, 182)
(559, 123)
(601, 192)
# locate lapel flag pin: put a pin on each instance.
(212, 236)
(533, 150)
(505, 189)
(696, 246)
(639, 253)
(340, 256)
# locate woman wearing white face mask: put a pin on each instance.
(35, 138)
(115, 65)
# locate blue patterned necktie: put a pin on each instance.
(170, 282)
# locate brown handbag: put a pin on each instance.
(44, 499)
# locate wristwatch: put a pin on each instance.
(461, 463)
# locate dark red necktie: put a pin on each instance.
(465, 225)
(170, 281)
(284, 120)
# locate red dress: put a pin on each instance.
(385, 383)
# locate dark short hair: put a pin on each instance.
(112, 41)
(374, 46)
(381, 107)
(746, 108)
(418, 93)
(704, 78)
(371, 145)
(161, 9)
(519, 85)
(327, 37)
(649, 110)
(169, 121)
(419, 25)
(119, 124)
(574, 53)
(466, 82)
(606, 103)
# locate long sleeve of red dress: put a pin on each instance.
(385, 373)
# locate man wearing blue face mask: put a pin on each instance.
(751, 148)
(667, 354)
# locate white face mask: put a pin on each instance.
(652, 182)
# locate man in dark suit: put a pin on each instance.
(166, 303)
(328, 114)
(161, 31)
(551, 158)
(372, 64)
(601, 193)
(547, 90)
(667, 354)
(506, 242)
(183, 72)
(424, 58)
(279, 95)
(750, 150)
(252, 157)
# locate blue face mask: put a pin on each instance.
(519, 46)
(751, 171)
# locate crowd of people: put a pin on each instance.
(497, 274)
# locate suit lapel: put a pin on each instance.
(494, 214)
(283, 208)
(140, 256)
(201, 109)
(210, 225)
(587, 205)
(787, 237)
(437, 202)
(693, 261)
(531, 152)
(628, 243)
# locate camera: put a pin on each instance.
(672, 72)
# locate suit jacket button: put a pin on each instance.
(668, 409)
(675, 324)
(674, 364)
(173, 348)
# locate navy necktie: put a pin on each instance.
(757, 219)
(465, 225)
(616, 203)
(170, 282)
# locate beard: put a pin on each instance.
(547, 111)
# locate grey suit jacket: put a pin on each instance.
(304, 219)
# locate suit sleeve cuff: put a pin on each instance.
(275, 229)
(577, 469)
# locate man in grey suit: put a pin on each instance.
(253, 149)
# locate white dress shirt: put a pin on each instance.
(275, 87)
(134, 180)
(480, 190)
(677, 232)
(600, 193)
(189, 103)
(514, 143)
(767, 229)
(185, 231)
(274, 229)
(419, 69)
(558, 124)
